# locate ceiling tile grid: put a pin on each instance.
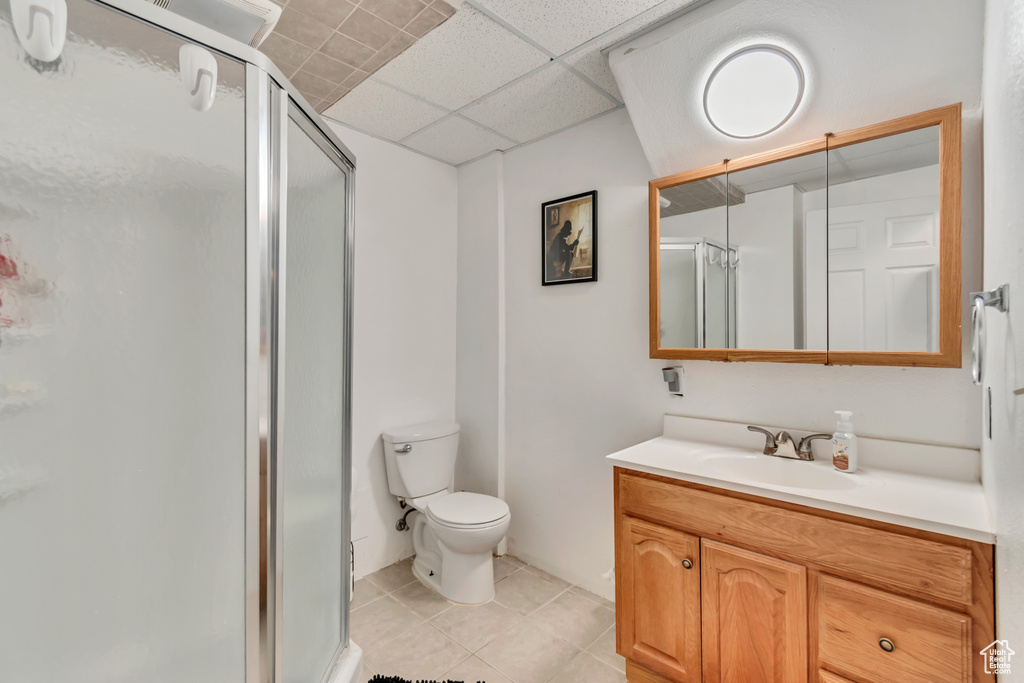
(561, 25)
(500, 72)
(456, 140)
(462, 60)
(548, 100)
(328, 47)
(383, 111)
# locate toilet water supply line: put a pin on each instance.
(402, 524)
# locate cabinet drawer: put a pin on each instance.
(829, 677)
(929, 644)
(916, 566)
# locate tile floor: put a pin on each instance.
(538, 629)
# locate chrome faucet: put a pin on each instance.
(782, 444)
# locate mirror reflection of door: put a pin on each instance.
(882, 244)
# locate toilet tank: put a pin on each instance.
(420, 458)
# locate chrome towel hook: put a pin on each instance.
(998, 298)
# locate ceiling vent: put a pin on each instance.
(249, 21)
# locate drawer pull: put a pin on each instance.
(687, 564)
(886, 644)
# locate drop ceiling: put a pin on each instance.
(499, 73)
(328, 47)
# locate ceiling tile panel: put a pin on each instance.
(328, 68)
(397, 12)
(312, 86)
(561, 25)
(375, 108)
(443, 7)
(302, 29)
(463, 59)
(285, 52)
(396, 46)
(352, 52)
(329, 12)
(549, 100)
(368, 29)
(424, 21)
(592, 64)
(456, 140)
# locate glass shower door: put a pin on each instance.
(122, 352)
(314, 476)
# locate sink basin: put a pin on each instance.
(773, 471)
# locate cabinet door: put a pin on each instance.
(754, 617)
(659, 599)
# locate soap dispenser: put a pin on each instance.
(844, 443)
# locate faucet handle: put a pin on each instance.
(770, 446)
(805, 443)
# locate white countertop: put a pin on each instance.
(955, 506)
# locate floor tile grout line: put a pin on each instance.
(567, 665)
(520, 617)
(583, 649)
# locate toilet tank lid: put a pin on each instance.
(421, 432)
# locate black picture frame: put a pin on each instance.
(572, 257)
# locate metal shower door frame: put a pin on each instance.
(270, 100)
(269, 108)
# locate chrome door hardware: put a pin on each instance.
(998, 298)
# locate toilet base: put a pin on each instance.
(466, 578)
(471, 579)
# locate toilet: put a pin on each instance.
(454, 534)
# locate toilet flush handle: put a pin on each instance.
(404, 448)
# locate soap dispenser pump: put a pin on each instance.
(844, 443)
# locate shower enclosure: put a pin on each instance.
(175, 310)
(698, 293)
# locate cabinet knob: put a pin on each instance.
(886, 644)
(687, 564)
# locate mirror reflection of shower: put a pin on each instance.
(698, 293)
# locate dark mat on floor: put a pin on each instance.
(395, 679)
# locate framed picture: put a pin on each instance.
(569, 239)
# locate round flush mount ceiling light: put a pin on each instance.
(753, 91)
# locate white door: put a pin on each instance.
(883, 275)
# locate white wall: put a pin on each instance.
(404, 327)
(761, 228)
(580, 384)
(1003, 454)
(479, 337)
(865, 62)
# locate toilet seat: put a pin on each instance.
(467, 510)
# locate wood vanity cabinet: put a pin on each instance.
(716, 586)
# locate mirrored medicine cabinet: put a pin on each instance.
(840, 250)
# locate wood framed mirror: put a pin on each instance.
(841, 250)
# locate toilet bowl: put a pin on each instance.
(453, 537)
(453, 533)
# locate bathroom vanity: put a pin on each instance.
(731, 570)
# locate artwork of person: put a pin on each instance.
(561, 251)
